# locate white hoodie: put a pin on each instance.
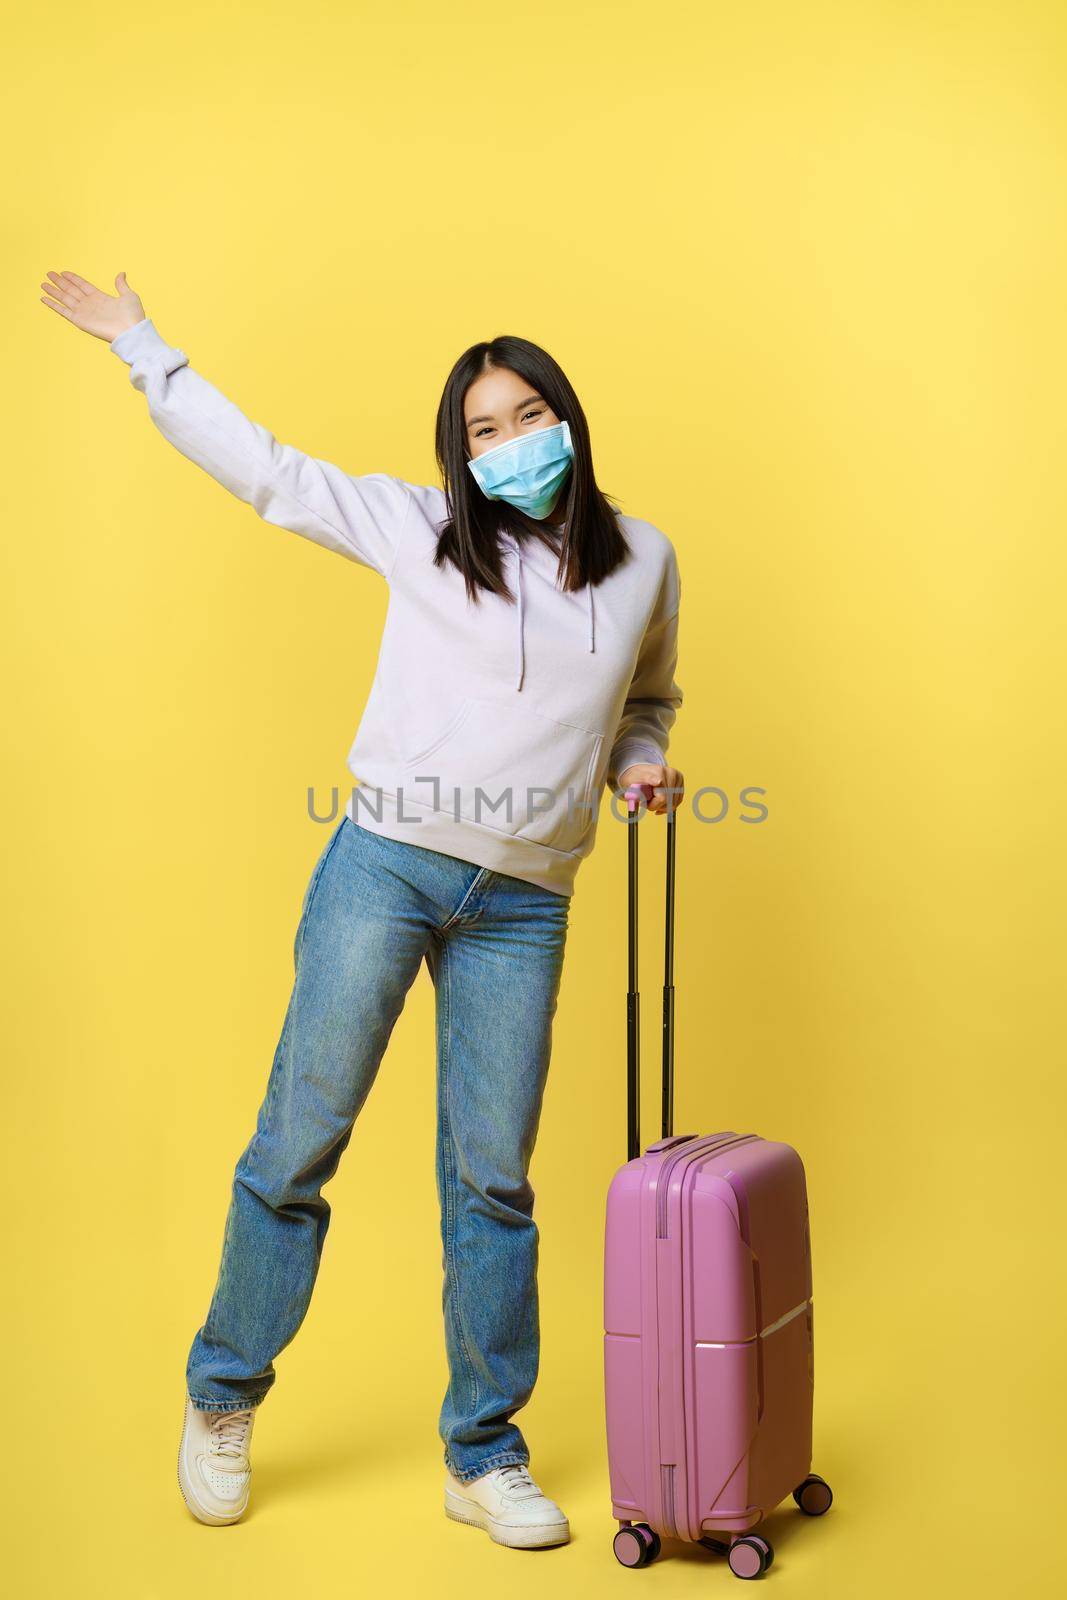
(492, 727)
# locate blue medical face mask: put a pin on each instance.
(527, 472)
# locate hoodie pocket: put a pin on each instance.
(510, 770)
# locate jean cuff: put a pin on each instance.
(201, 1404)
(504, 1458)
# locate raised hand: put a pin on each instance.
(91, 309)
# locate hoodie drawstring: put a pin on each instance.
(520, 617)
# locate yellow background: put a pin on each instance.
(805, 266)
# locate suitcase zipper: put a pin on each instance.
(670, 1501)
(708, 1146)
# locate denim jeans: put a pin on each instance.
(493, 944)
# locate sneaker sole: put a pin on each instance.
(201, 1513)
(535, 1538)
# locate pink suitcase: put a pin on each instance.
(708, 1372)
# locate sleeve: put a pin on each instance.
(654, 696)
(362, 518)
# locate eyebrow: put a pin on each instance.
(531, 400)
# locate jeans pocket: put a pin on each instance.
(313, 883)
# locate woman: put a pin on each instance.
(527, 661)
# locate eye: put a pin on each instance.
(533, 412)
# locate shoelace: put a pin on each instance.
(516, 1476)
(229, 1432)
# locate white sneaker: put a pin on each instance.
(511, 1508)
(214, 1472)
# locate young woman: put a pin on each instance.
(527, 661)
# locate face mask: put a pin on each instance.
(527, 472)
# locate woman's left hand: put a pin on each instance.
(662, 779)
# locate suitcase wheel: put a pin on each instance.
(636, 1545)
(750, 1556)
(814, 1496)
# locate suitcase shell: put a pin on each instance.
(708, 1317)
(708, 1334)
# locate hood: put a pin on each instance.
(545, 565)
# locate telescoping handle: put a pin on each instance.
(633, 998)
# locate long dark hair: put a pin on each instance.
(593, 542)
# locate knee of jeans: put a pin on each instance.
(505, 1192)
(284, 1171)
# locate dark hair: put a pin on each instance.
(593, 542)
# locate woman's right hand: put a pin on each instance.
(105, 316)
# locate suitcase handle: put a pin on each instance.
(634, 794)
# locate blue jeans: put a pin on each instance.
(373, 910)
